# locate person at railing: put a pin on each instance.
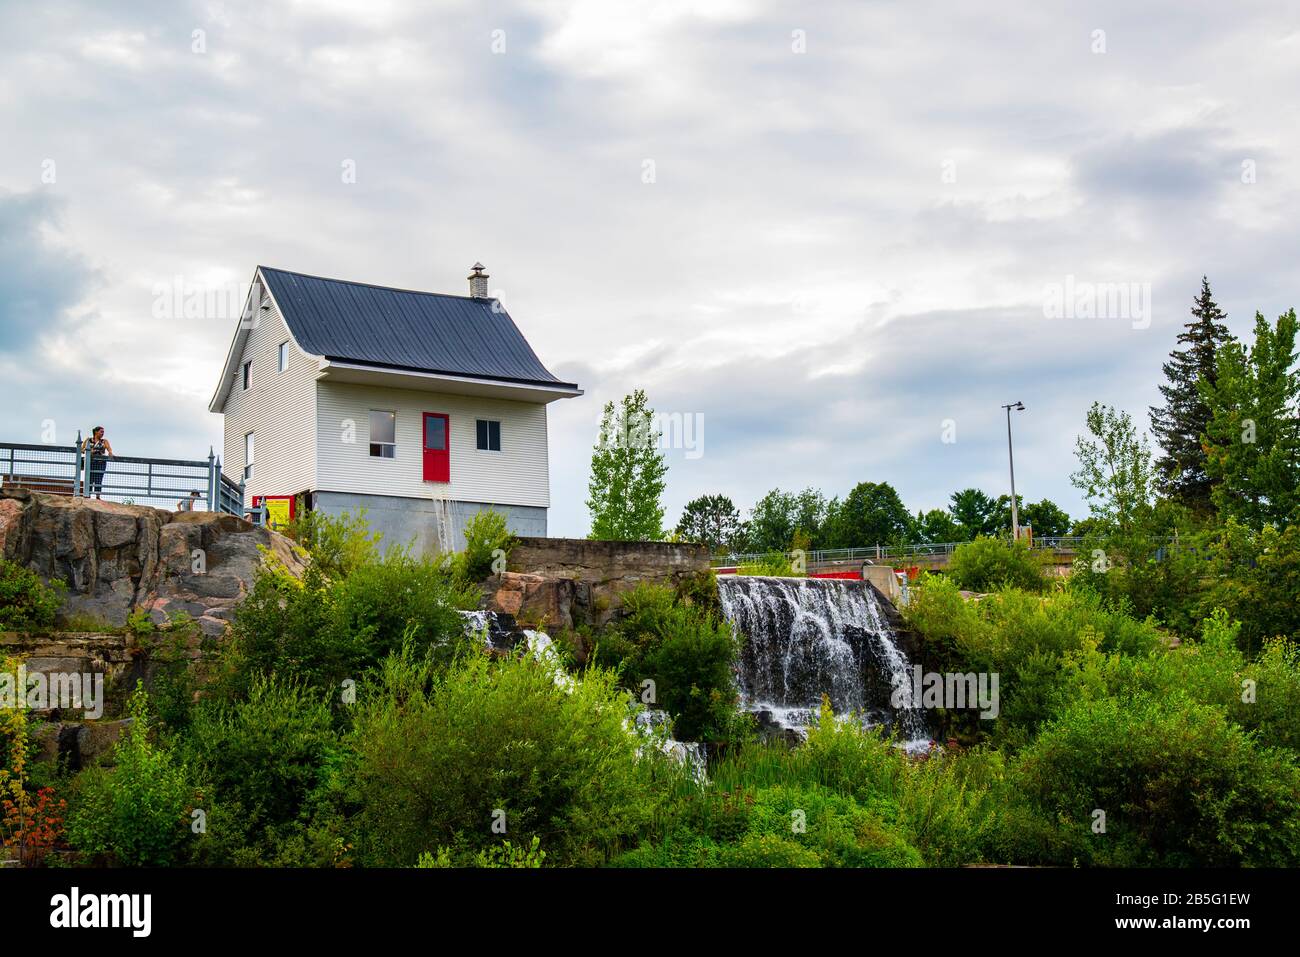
(101, 450)
(187, 504)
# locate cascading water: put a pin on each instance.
(812, 636)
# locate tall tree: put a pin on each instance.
(809, 514)
(627, 474)
(711, 520)
(1047, 519)
(771, 522)
(975, 512)
(1180, 424)
(1254, 433)
(935, 526)
(873, 514)
(1117, 477)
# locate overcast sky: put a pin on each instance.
(827, 229)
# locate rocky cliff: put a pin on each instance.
(117, 559)
(558, 583)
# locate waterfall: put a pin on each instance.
(806, 637)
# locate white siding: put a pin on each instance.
(279, 408)
(517, 475)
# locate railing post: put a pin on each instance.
(214, 489)
(76, 467)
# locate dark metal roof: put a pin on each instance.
(403, 329)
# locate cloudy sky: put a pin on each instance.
(828, 230)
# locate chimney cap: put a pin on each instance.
(476, 270)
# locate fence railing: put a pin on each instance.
(162, 483)
(828, 556)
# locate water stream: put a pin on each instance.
(812, 636)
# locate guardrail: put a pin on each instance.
(880, 553)
(826, 556)
(162, 483)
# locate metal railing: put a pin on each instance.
(162, 483)
(829, 556)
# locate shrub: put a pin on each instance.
(335, 545)
(262, 760)
(326, 631)
(688, 653)
(783, 826)
(987, 564)
(773, 564)
(487, 537)
(441, 757)
(26, 602)
(382, 604)
(135, 814)
(1178, 783)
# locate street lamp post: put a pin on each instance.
(1011, 460)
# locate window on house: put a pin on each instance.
(284, 356)
(248, 373)
(248, 456)
(383, 434)
(489, 435)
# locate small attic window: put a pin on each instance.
(246, 373)
(284, 357)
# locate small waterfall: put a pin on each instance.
(812, 636)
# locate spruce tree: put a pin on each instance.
(1180, 425)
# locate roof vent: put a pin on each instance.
(478, 287)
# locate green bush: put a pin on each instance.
(442, 757)
(987, 564)
(135, 814)
(487, 537)
(266, 752)
(687, 651)
(1027, 640)
(26, 602)
(325, 631)
(773, 564)
(785, 826)
(335, 545)
(1179, 784)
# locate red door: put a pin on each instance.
(437, 455)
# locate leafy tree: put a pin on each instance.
(772, 522)
(711, 520)
(1257, 580)
(873, 514)
(937, 525)
(627, 474)
(1115, 471)
(1045, 517)
(1254, 433)
(975, 512)
(809, 515)
(1183, 420)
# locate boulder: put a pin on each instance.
(117, 559)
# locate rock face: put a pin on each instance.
(116, 559)
(562, 582)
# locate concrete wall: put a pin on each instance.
(586, 560)
(414, 521)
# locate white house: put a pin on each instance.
(421, 407)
